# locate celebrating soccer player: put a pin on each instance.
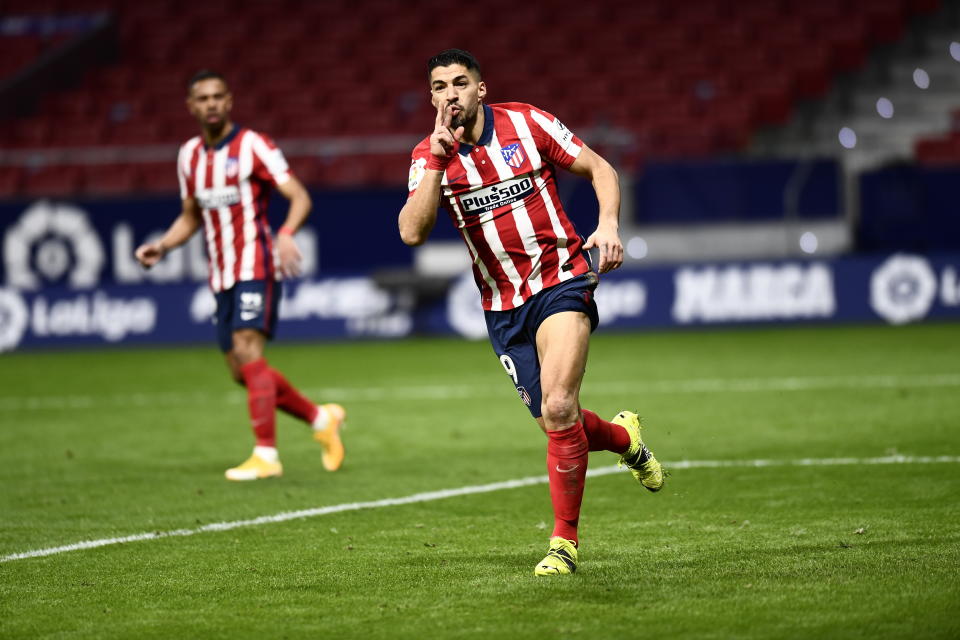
(492, 168)
(226, 175)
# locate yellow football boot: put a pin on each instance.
(638, 458)
(329, 437)
(561, 559)
(255, 468)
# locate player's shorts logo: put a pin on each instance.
(513, 155)
(251, 305)
(524, 395)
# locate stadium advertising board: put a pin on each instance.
(70, 279)
(895, 289)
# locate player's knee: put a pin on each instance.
(247, 347)
(559, 408)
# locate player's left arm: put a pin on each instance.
(291, 259)
(605, 183)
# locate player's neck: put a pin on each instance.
(213, 137)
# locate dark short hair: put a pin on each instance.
(454, 56)
(204, 74)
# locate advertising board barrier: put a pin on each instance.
(893, 289)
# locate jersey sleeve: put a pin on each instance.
(183, 173)
(554, 140)
(418, 166)
(269, 164)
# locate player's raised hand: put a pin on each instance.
(611, 249)
(150, 254)
(444, 141)
(291, 260)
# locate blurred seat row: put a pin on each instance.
(160, 177)
(673, 79)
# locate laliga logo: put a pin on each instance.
(902, 289)
(13, 319)
(42, 244)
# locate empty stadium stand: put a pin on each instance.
(648, 80)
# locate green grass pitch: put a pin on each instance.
(99, 445)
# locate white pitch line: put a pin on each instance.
(456, 392)
(431, 496)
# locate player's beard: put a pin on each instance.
(216, 127)
(461, 119)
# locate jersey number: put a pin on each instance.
(507, 363)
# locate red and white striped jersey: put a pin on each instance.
(502, 195)
(231, 183)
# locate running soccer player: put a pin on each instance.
(226, 175)
(492, 168)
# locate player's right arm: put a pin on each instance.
(186, 224)
(419, 214)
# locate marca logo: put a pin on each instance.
(513, 155)
(756, 292)
(498, 195)
(217, 197)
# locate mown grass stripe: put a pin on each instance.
(441, 494)
(419, 393)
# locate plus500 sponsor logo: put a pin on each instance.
(217, 197)
(498, 195)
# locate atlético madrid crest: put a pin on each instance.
(232, 167)
(513, 155)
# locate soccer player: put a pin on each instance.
(492, 168)
(226, 175)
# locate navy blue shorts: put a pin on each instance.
(250, 304)
(513, 333)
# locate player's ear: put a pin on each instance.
(481, 89)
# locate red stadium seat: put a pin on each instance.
(937, 152)
(306, 69)
(78, 133)
(53, 182)
(160, 177)
(31, 132)
(109, 179)
(11, 180)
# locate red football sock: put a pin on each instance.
(292, 401)
(262, 401)
(567, 453)
(603, 435)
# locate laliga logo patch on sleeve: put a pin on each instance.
(417, 172)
